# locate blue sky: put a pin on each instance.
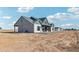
(65, 17)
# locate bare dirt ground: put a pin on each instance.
(39, 42)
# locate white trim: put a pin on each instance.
(16, 28)
(35, 28)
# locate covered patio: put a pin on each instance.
(46, 28)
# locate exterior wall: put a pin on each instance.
(25, 26)
(35, 28)
(15, 28)
(52, 29)
(58, 29)
(61, 29)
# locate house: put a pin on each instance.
(33, 24)
(58, 29)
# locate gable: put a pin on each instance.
(20, 20)
(37, 22)
(52, 25)
(23, 19)
(45, 22)
(32, 20)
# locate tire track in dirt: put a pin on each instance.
(59, 41)
(68, 41)
(75, 47)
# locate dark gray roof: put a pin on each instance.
(28, 18)
(31, 19)
(57, 27)
(52, 24)
(34, 19)
(42, 19)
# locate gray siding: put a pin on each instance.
(25, 26)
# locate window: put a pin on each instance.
(38, 28)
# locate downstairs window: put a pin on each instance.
(38, 28)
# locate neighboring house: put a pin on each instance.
(58, 29)
(32, 24)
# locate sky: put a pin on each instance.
(65, 17)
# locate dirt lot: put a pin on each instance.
(49, 42)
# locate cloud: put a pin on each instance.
(25, 9)
(60, 16)
(74, 10)
(6, 17)
(71, 14)
(12, 23)
(50, 18)
(67, 25)
(70, 25)
(1, 23)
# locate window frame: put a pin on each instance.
(38, 28)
